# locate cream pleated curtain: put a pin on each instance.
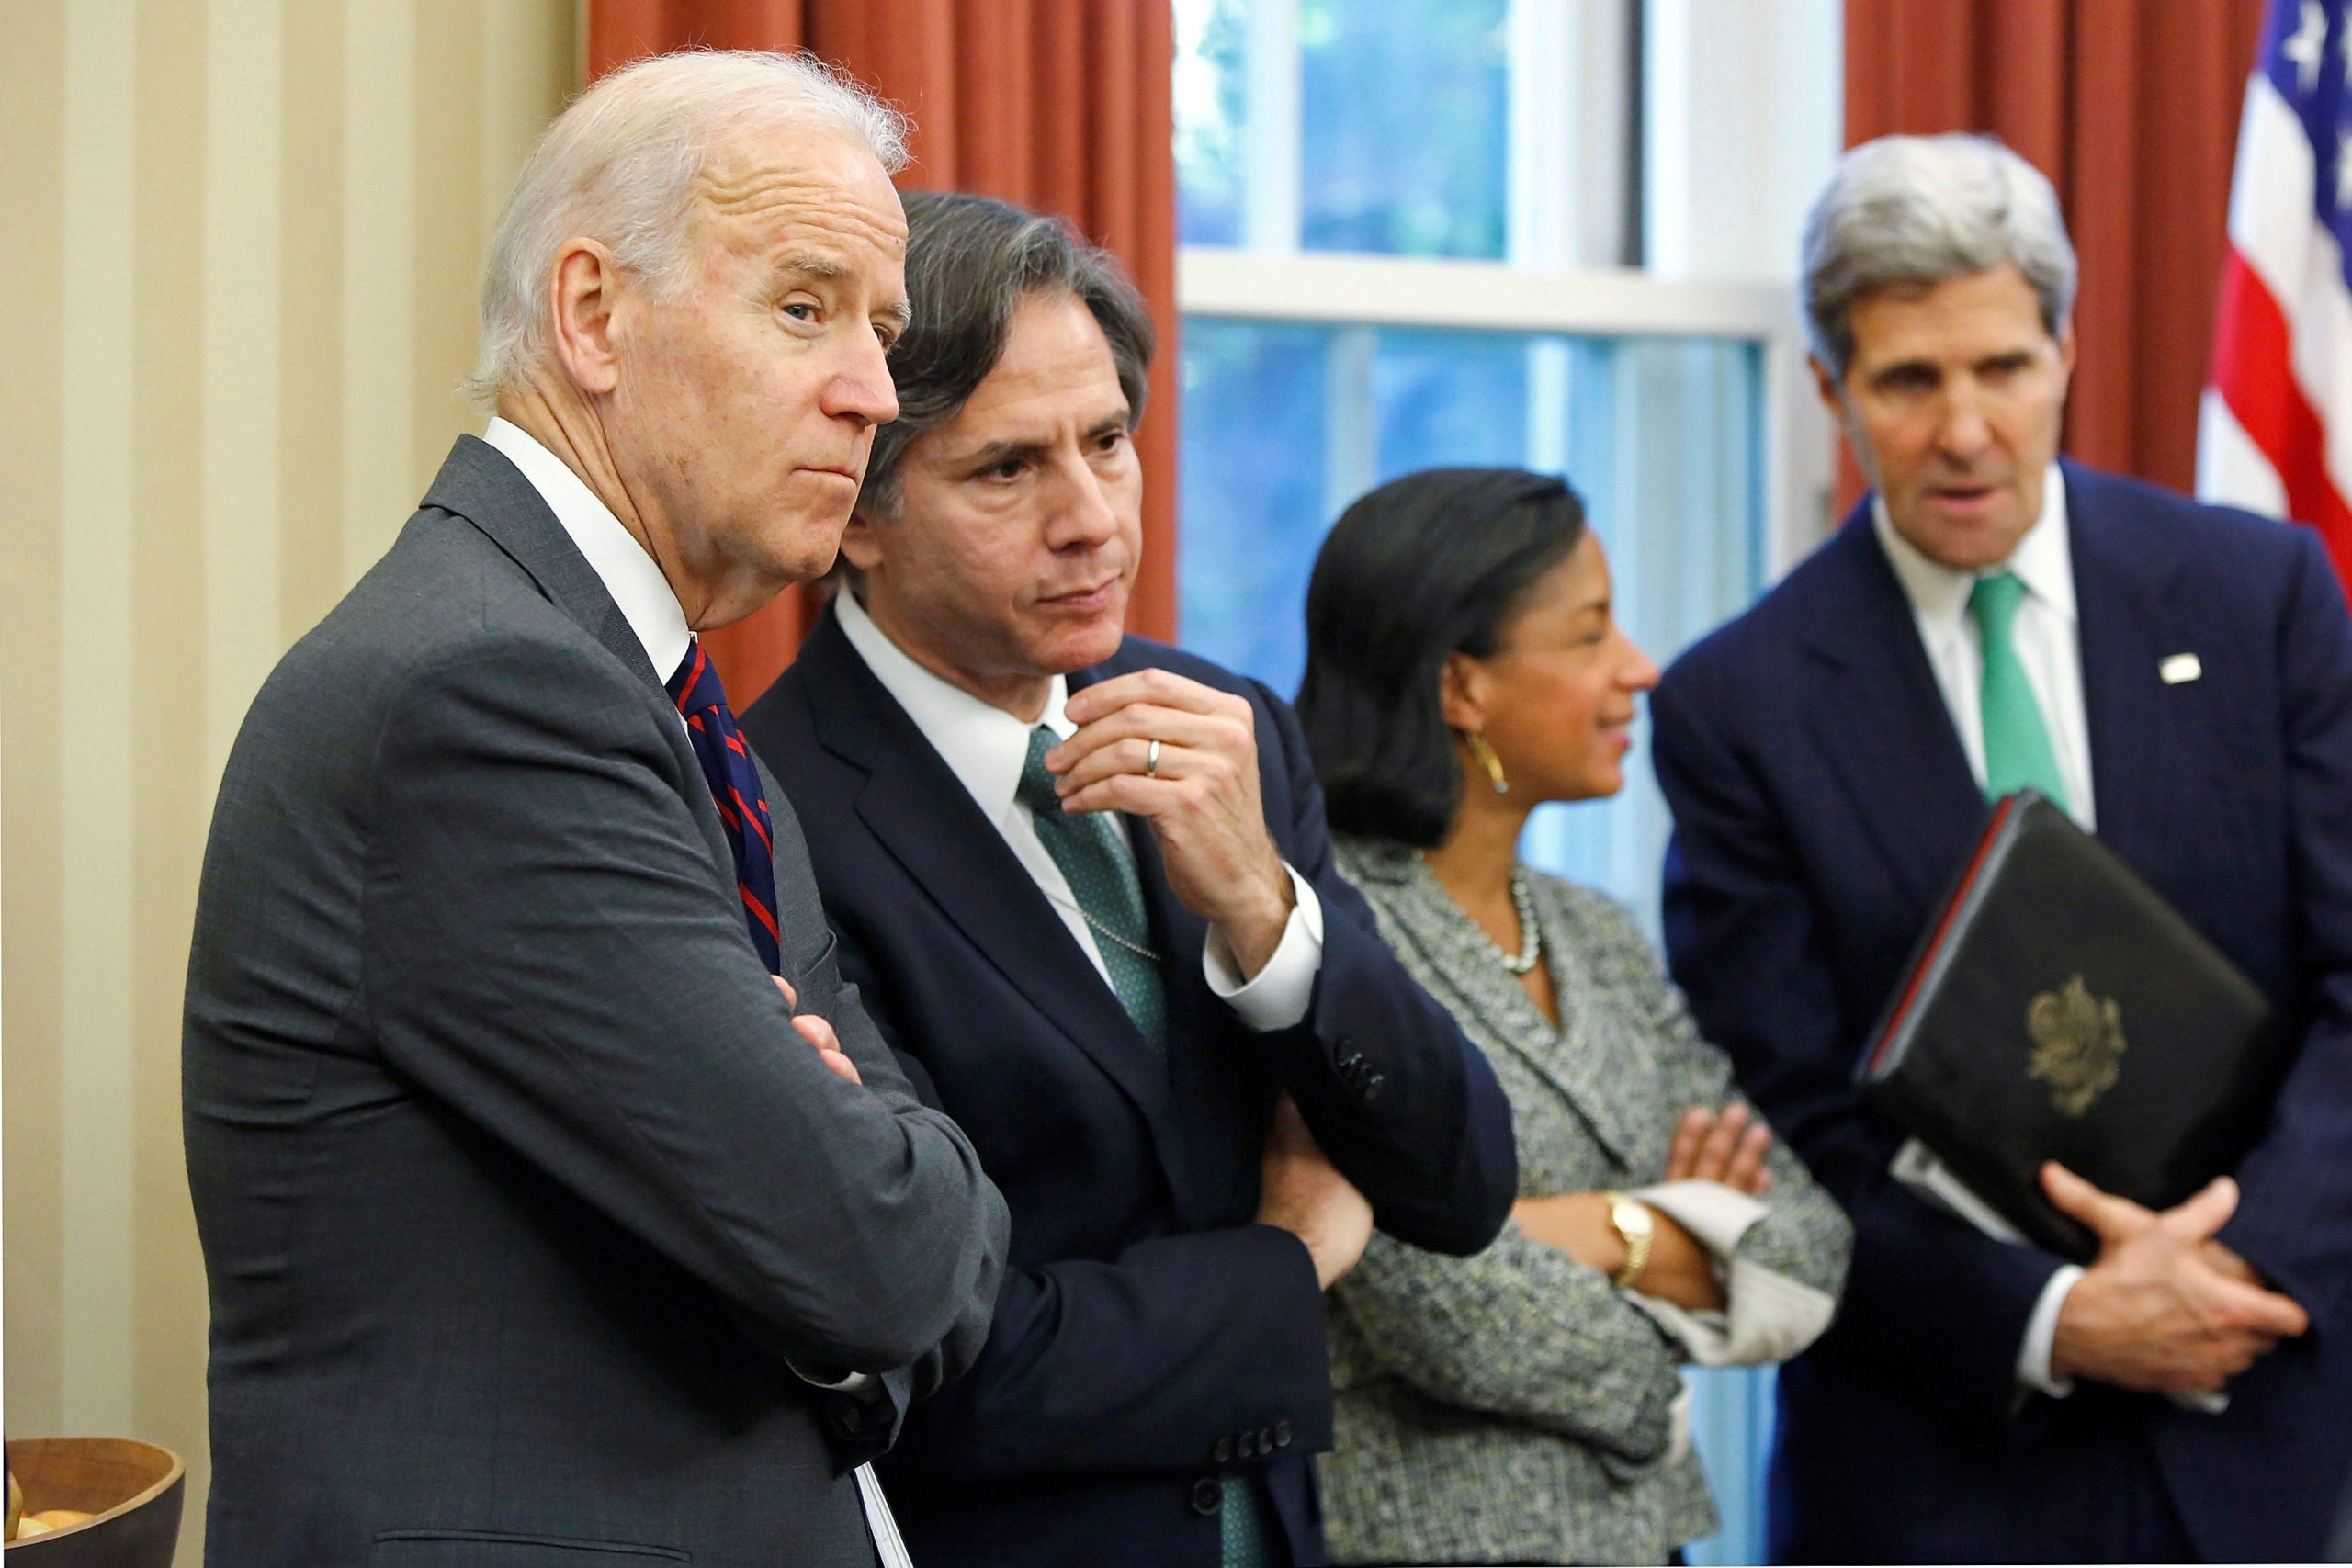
(238, 248)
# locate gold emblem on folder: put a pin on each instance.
(2077, 1045)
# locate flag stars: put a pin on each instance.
(2307, 46)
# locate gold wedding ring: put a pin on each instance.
(1151, 762)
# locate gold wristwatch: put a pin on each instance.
(1635, 1227)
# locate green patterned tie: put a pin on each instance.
(2017, 742)
(1101, 870)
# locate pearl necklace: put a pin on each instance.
(1530, 938)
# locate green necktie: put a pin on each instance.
(1101, 870)
(2017, 742)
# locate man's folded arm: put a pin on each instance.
(549, 957)
(1139, 1364)
(1398, 1099)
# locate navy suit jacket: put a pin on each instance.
(1148, 1336)
(1822, 801)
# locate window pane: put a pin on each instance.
(1210, 119)
(1390, 118)
(1404, 129)
(1252, 483)
(1461, 394)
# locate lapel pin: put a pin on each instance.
(2180, 669)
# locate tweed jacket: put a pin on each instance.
(1514, 1406)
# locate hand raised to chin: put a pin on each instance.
(1198, 792)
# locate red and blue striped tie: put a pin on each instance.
(735, 786)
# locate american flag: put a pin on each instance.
(2274, 432)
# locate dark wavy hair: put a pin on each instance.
(970, 262)
(1423, 567)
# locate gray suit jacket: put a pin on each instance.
(517, 1187)
(1513, 1407)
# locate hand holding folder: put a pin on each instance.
(2058, 1008)
(2060, 1022)
(2166, 1309)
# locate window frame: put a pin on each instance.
(1335, 289)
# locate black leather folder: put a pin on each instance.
(2058, 1008)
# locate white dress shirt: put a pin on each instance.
(985, 749)
(2046, 635)
(2048, 640)
(619, 562)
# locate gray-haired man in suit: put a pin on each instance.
(540, 1230)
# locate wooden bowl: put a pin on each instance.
(133, 1489)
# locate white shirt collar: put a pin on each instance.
(2042, 560)
(621, 563)
(984, 745)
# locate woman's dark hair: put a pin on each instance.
(1425, 565)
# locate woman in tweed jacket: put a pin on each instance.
(1526, 1405)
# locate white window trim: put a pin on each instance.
(1338, 289)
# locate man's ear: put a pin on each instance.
(1462, 692)
(584, 298)
(1832, 395)
(862, 541)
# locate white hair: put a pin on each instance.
(1910, 212)
(620, 165)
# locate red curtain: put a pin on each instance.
(2130, 107)
(1057, 105)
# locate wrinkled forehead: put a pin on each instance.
(812, 183)
(1991, 311)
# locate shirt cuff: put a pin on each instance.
(1767, 1316)
(2041, 1332)
(852, 1383)
(1276, 996)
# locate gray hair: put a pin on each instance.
(970, 261)
(620, 165)
(1910, 212)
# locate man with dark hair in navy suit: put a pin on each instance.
(2179, 679)
(1085, 882)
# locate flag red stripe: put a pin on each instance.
(2253, 369)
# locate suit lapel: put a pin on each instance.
(1457, 965)
(480, 485)
(1880, 720)
(2124, 580)
(925, 819)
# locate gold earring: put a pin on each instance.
(1487, 760)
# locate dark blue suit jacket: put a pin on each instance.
(1821, 801)
(1148, 1335)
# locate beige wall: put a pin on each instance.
(238, 243)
